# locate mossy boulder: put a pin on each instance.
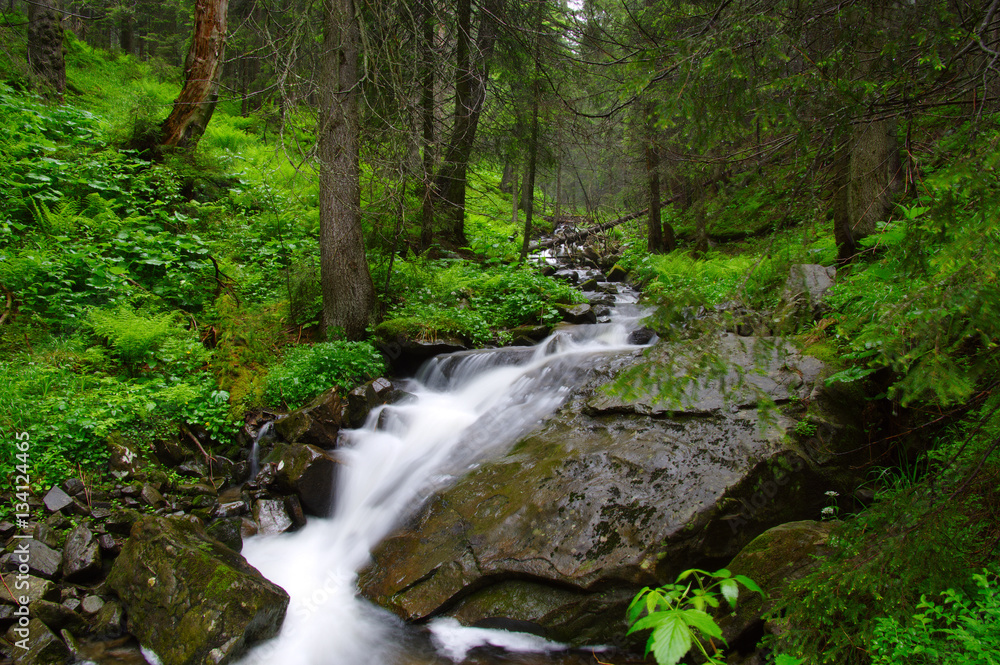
(189, 598)
(773, 559)
(617, 491)
(306, 471)
(317, 423)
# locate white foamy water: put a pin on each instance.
(476, 406)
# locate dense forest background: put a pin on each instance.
(339, 176)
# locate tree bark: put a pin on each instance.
(45, 44)
(348, 291)
(654, 234)
(470, 94)
(193, 108)
(427, 120)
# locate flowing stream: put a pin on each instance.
(464, 408)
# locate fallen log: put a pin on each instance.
(583, 233)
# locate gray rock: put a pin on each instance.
(618, 491)
(617, 274)
(271, 516)
(41, 559)
(91, 605)
(189, 598)
(43, 533)
(7, 530)
(108, 544)
(74, 486)
(56, 499)
(150, 496)
(230, 509)
(81, 558)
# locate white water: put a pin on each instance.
(478, 405)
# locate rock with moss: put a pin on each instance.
(773, 559)
(35, 644)
(316, 424)
(306, 471)
(622, 488)
(190, 599)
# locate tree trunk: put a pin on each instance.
(873, 176)
(348, 292)
(427, 118)
(470, 94)
(529, 185)
(126, 34)
(193, 108)
(45, 44)
(654, 236)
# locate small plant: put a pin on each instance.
(805, 428)
(955, 630)
(307, 371)
(676, 614)
(830, 512)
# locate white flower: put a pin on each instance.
(828, 511)
(831, 493)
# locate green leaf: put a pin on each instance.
(703, 622)
(785, 659)
(749, 583)
(671, 640)
(730, 591)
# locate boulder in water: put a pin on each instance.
(189, 598)
(577, 313)
(620, 490)
(307, 471)
(316, 424)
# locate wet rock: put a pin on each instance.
(617, 274)
(123, 462)
(56, 499)
(7, 530)
(30, 588)
(150, 496)
(534, 333)
(43, 647)
(308, 472)
(101, 510)
(641, 336)
(224, 509)
(294, 507)
(108, 544)
(248, 528)
(193, 469)
(71, 603)
(74, 486)
(589, 285)
(773, 559)
(583, 313)
(805, 289)
(617, 491)
(109, 620)
(227, 532)
(56, 616)
(40, 559)
(91, 605)
(44, 533)
(271, 517)
(406, 353)
(81, 558)
(121, 520)
(191, 599)
(364, 398)
(317, 423)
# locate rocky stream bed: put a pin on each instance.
(622, 486)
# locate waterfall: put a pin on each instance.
(464, 408)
